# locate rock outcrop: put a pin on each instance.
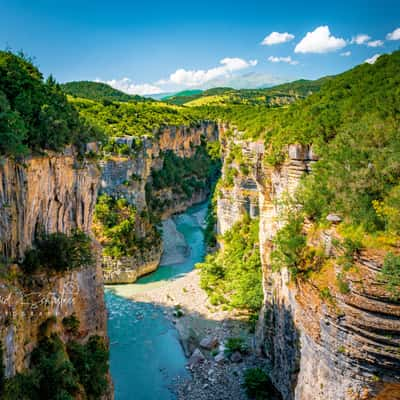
(50, 193)
(240, 196)
(56, 193)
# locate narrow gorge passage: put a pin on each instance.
(146, 354)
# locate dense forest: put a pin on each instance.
(35, 114)
(98, 91)
(132, 119)
(353, 124)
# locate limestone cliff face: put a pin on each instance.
(239, 195)
(54, 193)
(343, 347)
(128, 176)
(51, 193)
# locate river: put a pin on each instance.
(145, 353)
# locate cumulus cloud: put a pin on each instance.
(361, 38)
(375, 43)
(126, 85)
(346, 54)
(395, 35)
(287, 60)
(200, 77)
(372, 59)
(319, 41)
(277, 38)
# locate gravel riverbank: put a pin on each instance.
(214, 375)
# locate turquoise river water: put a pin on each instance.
(145, 353)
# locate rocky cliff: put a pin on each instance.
(319, 340)
(50, 193)
(131, 177)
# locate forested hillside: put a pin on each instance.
(35, 114)
(98, 91)
(273, 96)
(133, 118)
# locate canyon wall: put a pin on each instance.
(319, 342)
(50, 193)
(130, 176)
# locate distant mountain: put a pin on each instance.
(98, 91)
(159, 96)
(182, 97)
(278, 95)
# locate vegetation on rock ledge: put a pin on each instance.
(232, 276)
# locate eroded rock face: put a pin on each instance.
(336, 349)
(342, 348)
(24, 308)
(53, 193)
(241, 197)
(129, 269)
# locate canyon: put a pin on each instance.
(341, 347)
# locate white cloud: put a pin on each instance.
(319, 41)
(287, 60)
(200, 77)
(361, 38)
(126, 85)
(375, 43)
(277, 38)
(346, 54)
(372, 59)
(395, 35)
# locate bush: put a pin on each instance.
(390, 275)
(342, 284)
(115, 226)
(289, 244)
(257, 384)
(233, 274)
(51, 375)
(91, 364)
(235, 344)
(71, 324)
(59, 252)
(56, 374)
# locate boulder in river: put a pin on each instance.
(196, 358)
(220, 358)
(209, 343)
(236, 357)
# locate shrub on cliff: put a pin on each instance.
(91, 365)
(289, 244)
(390, 275)
(258, 385)
(57, 373)
(115, 226)
(50, 376)
(59, 252)
(233, 274)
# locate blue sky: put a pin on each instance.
(150, 46)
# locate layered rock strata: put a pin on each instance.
(51, 193)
